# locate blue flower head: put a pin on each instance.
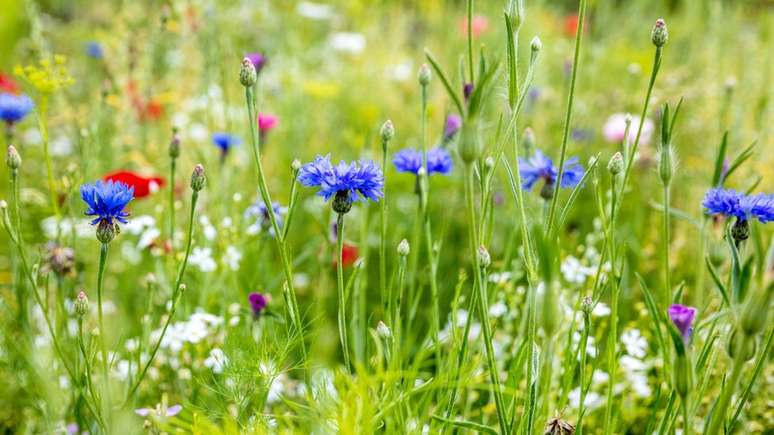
(348, 181)
(14, 108)
(225, 141)
(729, 202)
(106, 200)
(260, 213)
(410, 160)
(539, 166)
(94, 50)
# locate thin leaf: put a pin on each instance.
(575, 192)
(741, 158)
(445, 81)
(716, 181)
(718, 283)
(753, 378)
(464, 424)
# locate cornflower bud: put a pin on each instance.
(536, 45)
(387, 131)
(13, 159)
(106, 231)
(666, 164)
(616, 164)
(424, 75)
(383, 330)
(342, 203)
(484, 259)
(403, 248)
(295, 165)
(174, 145)
(198, 179)
(659, 35)
(247, 74)
(81, 304)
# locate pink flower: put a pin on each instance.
(267, 122)
(615, 128)
(480, 25)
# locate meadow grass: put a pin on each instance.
(549, 217)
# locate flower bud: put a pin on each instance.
(342, 202)
(741, 230)
(756, 310)
(529, 140)
(489, 163)
(81, 304)
(659, 35)
(469, 143)
(682, 375)
(424, 75)
(383, 330)
(616, 164)
(403, 248)
(174, 145)
(295, 165)
(198, 179)
(106, 231)
(13, 159)
(247, 74)
(484, 259)
(547, 191)
(741, 343)
(536, 45)
(666, 164)
(387, 131)
(587, 305)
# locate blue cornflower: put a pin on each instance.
(539, 166)
(94, 50)
(729, 202)
(106, 200)
(225, 141)
(260, 213)
(349, 182)
(14, 108)
(410, 160)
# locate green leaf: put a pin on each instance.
(464, 424)
(575, 192)
(652, 307)
(721, 157)
(455, 98)
(748, 389)
(718, 283)
(741, 158)
(511, 60)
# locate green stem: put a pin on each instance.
(100, 288)
(470, 40)
(176, 294)
(396, 318)
(567, 118)
(720, 409)
(383, 236)
(43, 110)
(482, 303)
(172, 165)
(667, 278)
(686, 420)
(342, 317)
(612, 365)
(295, 313)
(582, 371)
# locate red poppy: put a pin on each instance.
(571, 25)
(7, 84)
(349, 254)
(143, 186)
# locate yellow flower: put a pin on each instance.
(47, 77)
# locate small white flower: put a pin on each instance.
(314, 11)
(635, 343)
(574, 272)
(217, 361)
(498, 309)
(591, 401)
(202, 258)
(232, 258)
(348, 42)
(601, 310)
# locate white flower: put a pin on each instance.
(348, 42)
(148, 237)
(217, 361)
(207, 228)
(591, 401)
(639, 384)
(630, 364)
(400, 72)
(202, 258)
(591, 347)
(232, 258)
(61, 146)
(66, 226)
(314, 11)
(276, 388)
(574, 272)
(601, 310)
(498, 309)
(198, 132)
(635, 343)
(138, 224)
(501, 278)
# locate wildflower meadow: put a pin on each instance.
(400, 217)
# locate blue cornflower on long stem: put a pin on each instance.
(343, 184)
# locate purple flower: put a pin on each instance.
(453, 124)
(467, 89)
(106, 200)
(539, 166)
(258, 303)
(225, 141)
(13, 108)
(260, 213)
(682, 316)
(258, 60)
(160, 411)
(410, 160)
(358, 180)
(729, 202)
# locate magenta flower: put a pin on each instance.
(682, 316)
(452, 126)
(258, 303)
(258, 60)
(267, 122)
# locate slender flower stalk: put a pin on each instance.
(396, 302)
(387, 132)
(249, 79)
(568, 115)
(198, 180)
(174, 153)
(342, 312)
